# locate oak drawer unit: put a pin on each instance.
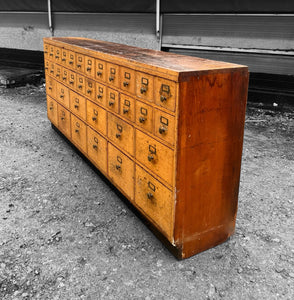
(165, 129)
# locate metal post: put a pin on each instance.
(158, 24)
(50, 18)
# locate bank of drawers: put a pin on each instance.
(122, 120)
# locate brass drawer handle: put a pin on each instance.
(89, 69)
(76, 106)
(118, 135)
(111, 78)
(79, 66)
(63, 78)
(51, 107)
(62, 118)
(80, 86)
(162, 130)
(94, 118)
(118, 167)
(56, 56)
(111, 103)
(143, 90)
(95, 147)
(71, 82)
(57, 75)
(50, 88)
(61, 96)
(99, 96)
(51, 54)
(126, 83)
(63, 59)
(142, 120)
(77, 131)
(51, 71)
(71, 62)
(125, 110)
(150, 195)
(46, 68)
(150, 157)
(99, 73)
(162, 98)
(45, 52)
(89, 91)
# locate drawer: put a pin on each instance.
(64, 57)
(100, 94)
(52, 69)
(121, 170)
(97, 149)
(100, 70)
(165, 93)
(78, 104)
(80, 62)
(165, 126)
(62, 94)
(71, 59)
(90, 89)
(52, 110)
(80, 84)
(97, 117)
(64, 120)
(51, 52)
(64, 76)
(90, 66)
(121, 133)
(127, 107)
(58, 71)
(155, 200)
(46, 51)
(72, 79)
(57, 55)
(112, 100)
(50, 86)
(112, 74)
(155, 156)
(144, 86)
(79, 133)
(128, 80)
(144, 116)
(47, 66)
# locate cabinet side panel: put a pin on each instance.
(210, 138)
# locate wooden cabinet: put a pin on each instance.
(165, 129)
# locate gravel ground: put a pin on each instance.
(65, 233)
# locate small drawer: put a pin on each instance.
(51, 52)
(47, 66)
(80, 62)
(58, 71)
(90, 66)
(52, 69)
(155, 200)
(144, 116)
(144, 86)
(57, 55)
(121, 133)
(97, 149)
(121, 170)
(50, 86)
(46, 51)
(64, 57)
(128, 80)
(90, 89)
(165, 126)
(52, 110)
(71, 60)
(78, 104)
(100, 94)
(80, 84)
(79, 133)
(155, 156)
(127, 107)
(62, 94)
(100, 72)
(112, 100)
(165, 93)
(96, 117)
(64, 120)
(64, 76)
(72, 78)
(112, 74)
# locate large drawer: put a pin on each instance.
(96, 117)
(52, 110)
(79, 133)
(64, 120)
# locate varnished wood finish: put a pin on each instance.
(166, 130)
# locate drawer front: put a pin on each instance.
(57, 56)
(58, 72)
(79, 133)
(121, 170)
(165, 93)
(64, 57)
(72, 79)
(71, 59)
(100, 94)
(46, 51)
(112, 74)
(128, 80)
(144, 116)
(127, 107)
(64, 120)
(64, 76)
(80, 84)
(155, 156)
(90, 66)
(100, 72)
(51, 52)
(144, 86)
(47, 66)
(52, 110)
(155, 200)
(78, 105)
(97, 117)
(62, 94)
(97, 149)
(80, 62)
(121, 133)
(50, 86)
(165, 126)
(90, 88)
(52, 69)
(112, 100)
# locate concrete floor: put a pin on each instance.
(65, 233)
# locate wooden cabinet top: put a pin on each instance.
(176, 67)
